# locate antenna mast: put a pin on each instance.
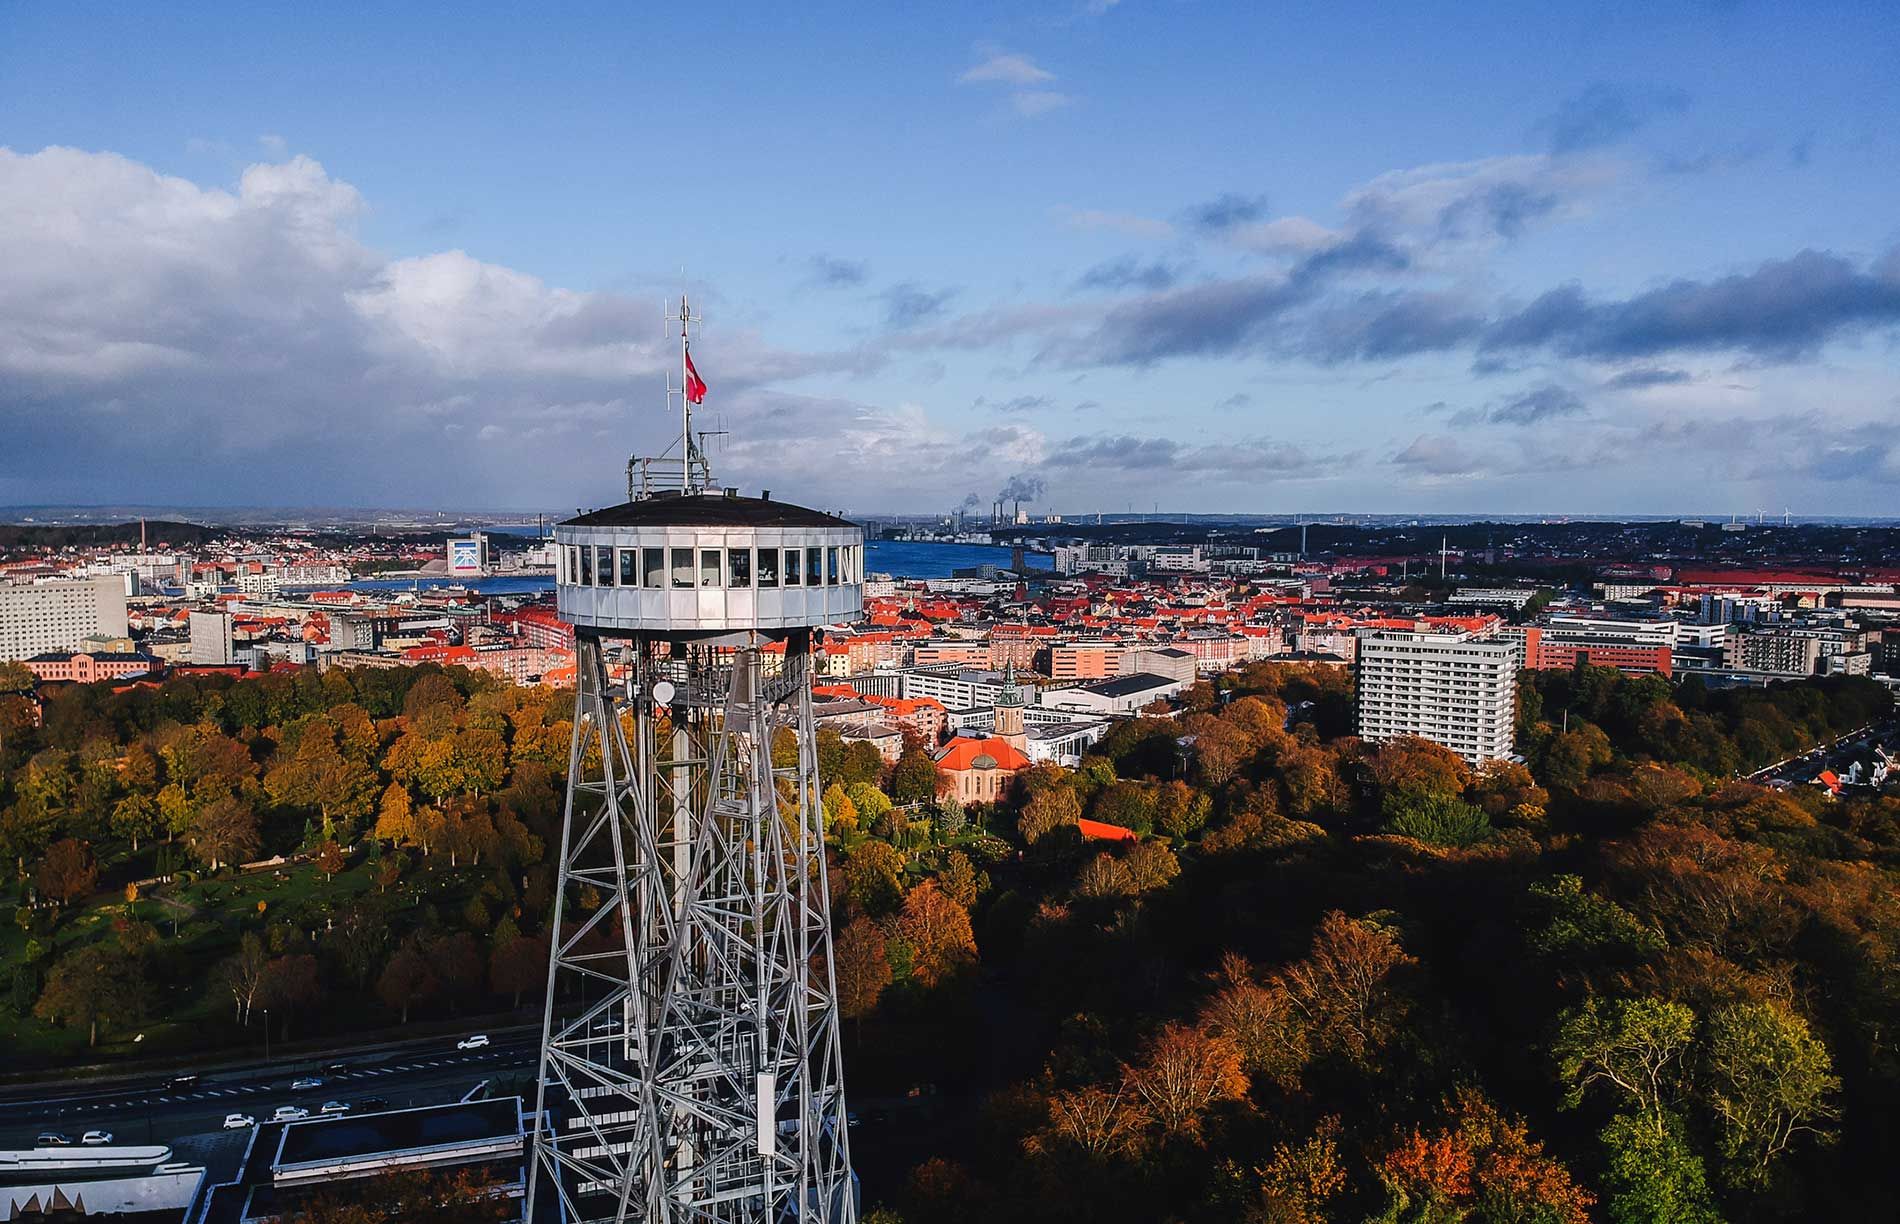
(648, 475)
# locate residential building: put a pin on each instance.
(211, 638)
(1449, 688)
(59, 614)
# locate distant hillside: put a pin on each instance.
(14, 535)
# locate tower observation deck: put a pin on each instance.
(690, 1064)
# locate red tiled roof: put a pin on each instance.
(961, 754)
(1101, 830)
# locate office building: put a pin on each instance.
(1445, 687)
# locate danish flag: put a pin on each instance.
(695, 385)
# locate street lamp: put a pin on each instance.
(266, 1034)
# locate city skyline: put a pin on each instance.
(1463, 261)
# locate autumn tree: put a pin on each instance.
(1261, 1021)
(1183, 1073)
(224, 831)
(396, 816)
(408, 979)
(863, 967)
(329, 860)
(937, 931)
(1048, 811)
(1299, 1179)
(840, 813)
(1102, 1121)
(68, 872)
(1344, 990)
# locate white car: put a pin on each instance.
(290, 1113)
(238, 1121)
(332, 1108)
(478, 1042)
(306, 1083)
(96, 1138)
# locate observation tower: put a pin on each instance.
(690, 1066)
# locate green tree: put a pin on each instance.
(1653, 1175)
(1770, 1081)
(869, 801)
(1580, 927)
(1632, 1047)
(871, 877)
(1436, 819)
(93, 985)
(135, 817)
(915, 778)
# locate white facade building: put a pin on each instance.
(1444, 687)
(59, 614)
(211, 639)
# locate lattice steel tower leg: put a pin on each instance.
(691, 1064)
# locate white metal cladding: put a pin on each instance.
(704, 596)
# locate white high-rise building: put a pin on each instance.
(211, 639)
(57, 615)
(1445, 687)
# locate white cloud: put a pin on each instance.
(1022, 76)
(1006, 68)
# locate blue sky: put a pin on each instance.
(1453, 258)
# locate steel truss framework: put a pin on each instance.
(690, 1067)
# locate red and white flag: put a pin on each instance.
(695, 385)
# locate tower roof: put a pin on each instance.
(1010, 694)
(706, 510)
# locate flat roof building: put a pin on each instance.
(1445, 687)
(46, 616)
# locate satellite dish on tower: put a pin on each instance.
(663, 692)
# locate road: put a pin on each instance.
(1856, 745)
(148, 1111)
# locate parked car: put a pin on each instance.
(335, 1107)
(238, 1121)
(181, 1081)
(51, 1139)
(290, 1113)
(478, 1042)
(305, 1083)
(96, 1138)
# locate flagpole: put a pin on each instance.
(686, 407)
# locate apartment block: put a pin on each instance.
(1445, 687)
(59, 615)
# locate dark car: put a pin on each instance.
(336, 1068)
(369, 1103)
(181, 1081)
